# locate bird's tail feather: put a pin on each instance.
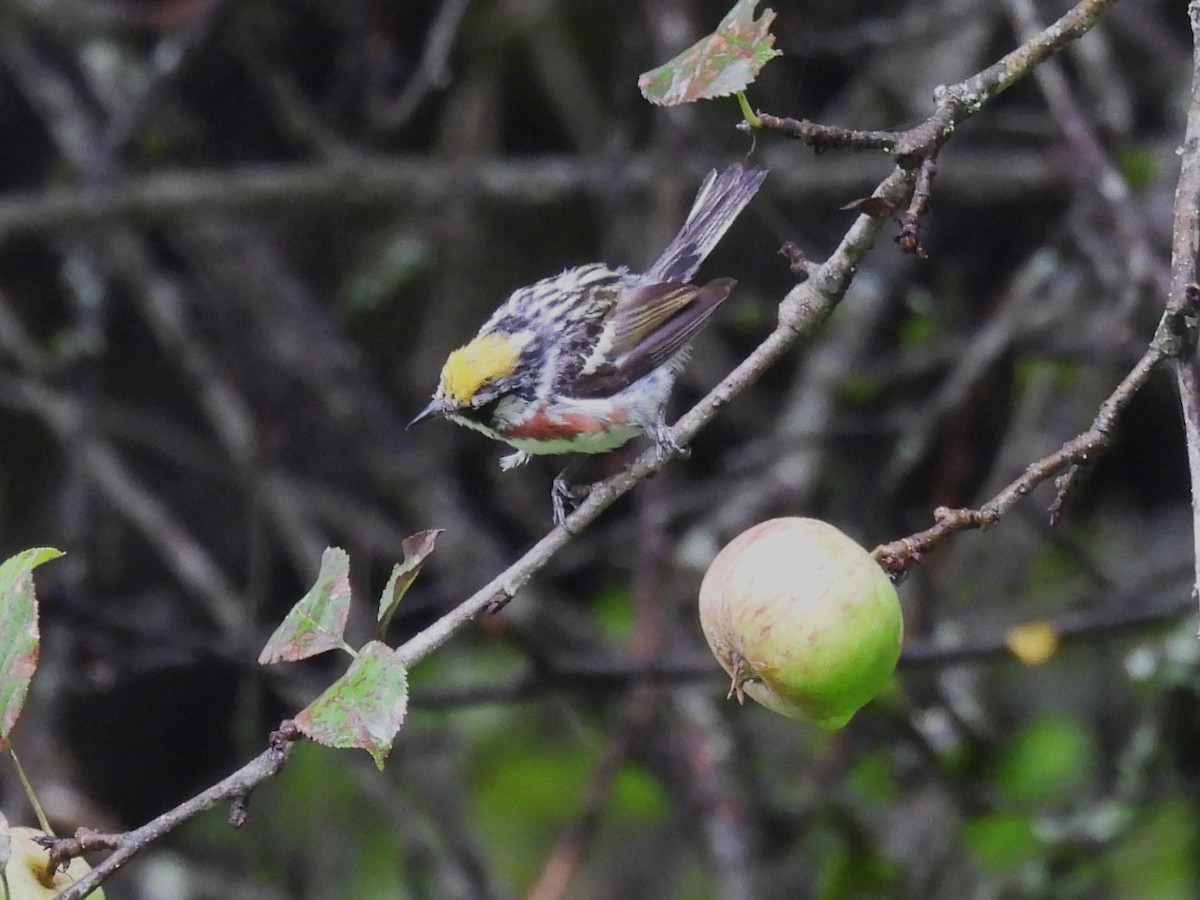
(720, 200)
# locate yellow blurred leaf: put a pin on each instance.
(1033, 643)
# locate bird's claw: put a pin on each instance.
(562, 494)
(665, 446)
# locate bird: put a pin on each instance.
(584, 361)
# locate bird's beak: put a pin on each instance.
(433, 409)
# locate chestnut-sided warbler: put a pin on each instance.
(583, 362)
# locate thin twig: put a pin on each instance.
(909, 237)
(106, 470)
(432, 72)
(128, 844)
(165, 308)
(375, 182)
(955, 103)
(1185, 247)
(1094, 169)
(898, 556)
(824, 137)
(185, 46)
(960, 101)
(1024, 309)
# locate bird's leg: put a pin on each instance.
(664, 444)
(562, 493)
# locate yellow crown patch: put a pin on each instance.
(485, 359)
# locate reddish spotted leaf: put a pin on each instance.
(19, 639)
(416, 548)
(316, 623)
(364, 708)
(723, 63)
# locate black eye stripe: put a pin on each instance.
(483, 413)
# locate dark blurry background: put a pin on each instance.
(237, 241)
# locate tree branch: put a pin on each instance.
(1175, 335)
(801, 311)
(128, 844)
(955, 104)
(374, 182)
(1185, 246)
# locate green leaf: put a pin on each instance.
(872, 779)
(523, 780)
(1001, 842)
(723, 63)
(364, 708)
(1050, 760)
(317, 622)
(19, 640)
(638, 796)
(853, 870)
(1139, 166)
(416, 548)
(1157, 858)
(613, 612)
(861, 389)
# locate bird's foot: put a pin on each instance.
(665, 446)
(566, 497)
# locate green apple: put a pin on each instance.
(803, 619)
(28, 873)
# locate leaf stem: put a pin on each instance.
(38, 812)
(748, 113)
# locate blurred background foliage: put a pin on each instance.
(237, 240)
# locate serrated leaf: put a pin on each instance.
(19, 639)
(317, 622)
(364, 708)
(723, 63)
(416, 548)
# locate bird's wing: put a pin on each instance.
(645, 329)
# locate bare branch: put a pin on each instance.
(1185, 248)
(955, 103)
(961, 101)
(898, 556)
(378, 182)
(127, 845)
